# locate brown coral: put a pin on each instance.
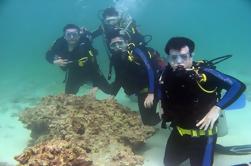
(83, 131)
(54, 152)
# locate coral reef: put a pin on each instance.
(54, 152)
(82, 131)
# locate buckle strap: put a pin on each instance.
(196, 133)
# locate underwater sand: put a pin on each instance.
(226, 30)
(14, 137)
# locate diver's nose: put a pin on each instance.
(179, 60)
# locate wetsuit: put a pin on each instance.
(137, 76)
(186, 99)
(84, 67)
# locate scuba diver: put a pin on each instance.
(74, 54)
(191, 101)
(112, 22)
(136, 71)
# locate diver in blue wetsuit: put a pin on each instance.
(136, 71)
(190, 98)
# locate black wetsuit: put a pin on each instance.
(185, 103)
(77, 75)
(137, 77)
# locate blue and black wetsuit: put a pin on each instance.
(137, 76)
(186, 99)
(78, 73)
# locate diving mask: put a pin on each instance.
(118, 45)
(178, 58)
(112, 20)
(71, 35)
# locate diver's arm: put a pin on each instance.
(234, 87)
(162, 89)
(167, 115)
(53, 52)
(150, 72)
(151, 79)
(97, 32)
(51, 55)
(86, 36)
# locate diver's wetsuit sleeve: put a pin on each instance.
(149, 69)
(97, 32)
(161, 86)
(163, 99)
(167, 115)
(54, 50)
(234, 88)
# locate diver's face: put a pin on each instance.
(118, 44)
(180, 58)
(72, 36)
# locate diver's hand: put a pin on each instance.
(210, 118)
(149, 100)
(61, 62)
(93, 91)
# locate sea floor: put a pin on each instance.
(14, 137)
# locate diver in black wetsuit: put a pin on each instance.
(73, 52)
(112, 21)
(135, 71)
(190, 100)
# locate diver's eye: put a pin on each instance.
(173, 57)
(184, 56)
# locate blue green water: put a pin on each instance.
(28, 28)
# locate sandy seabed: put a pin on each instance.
(14, 137)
